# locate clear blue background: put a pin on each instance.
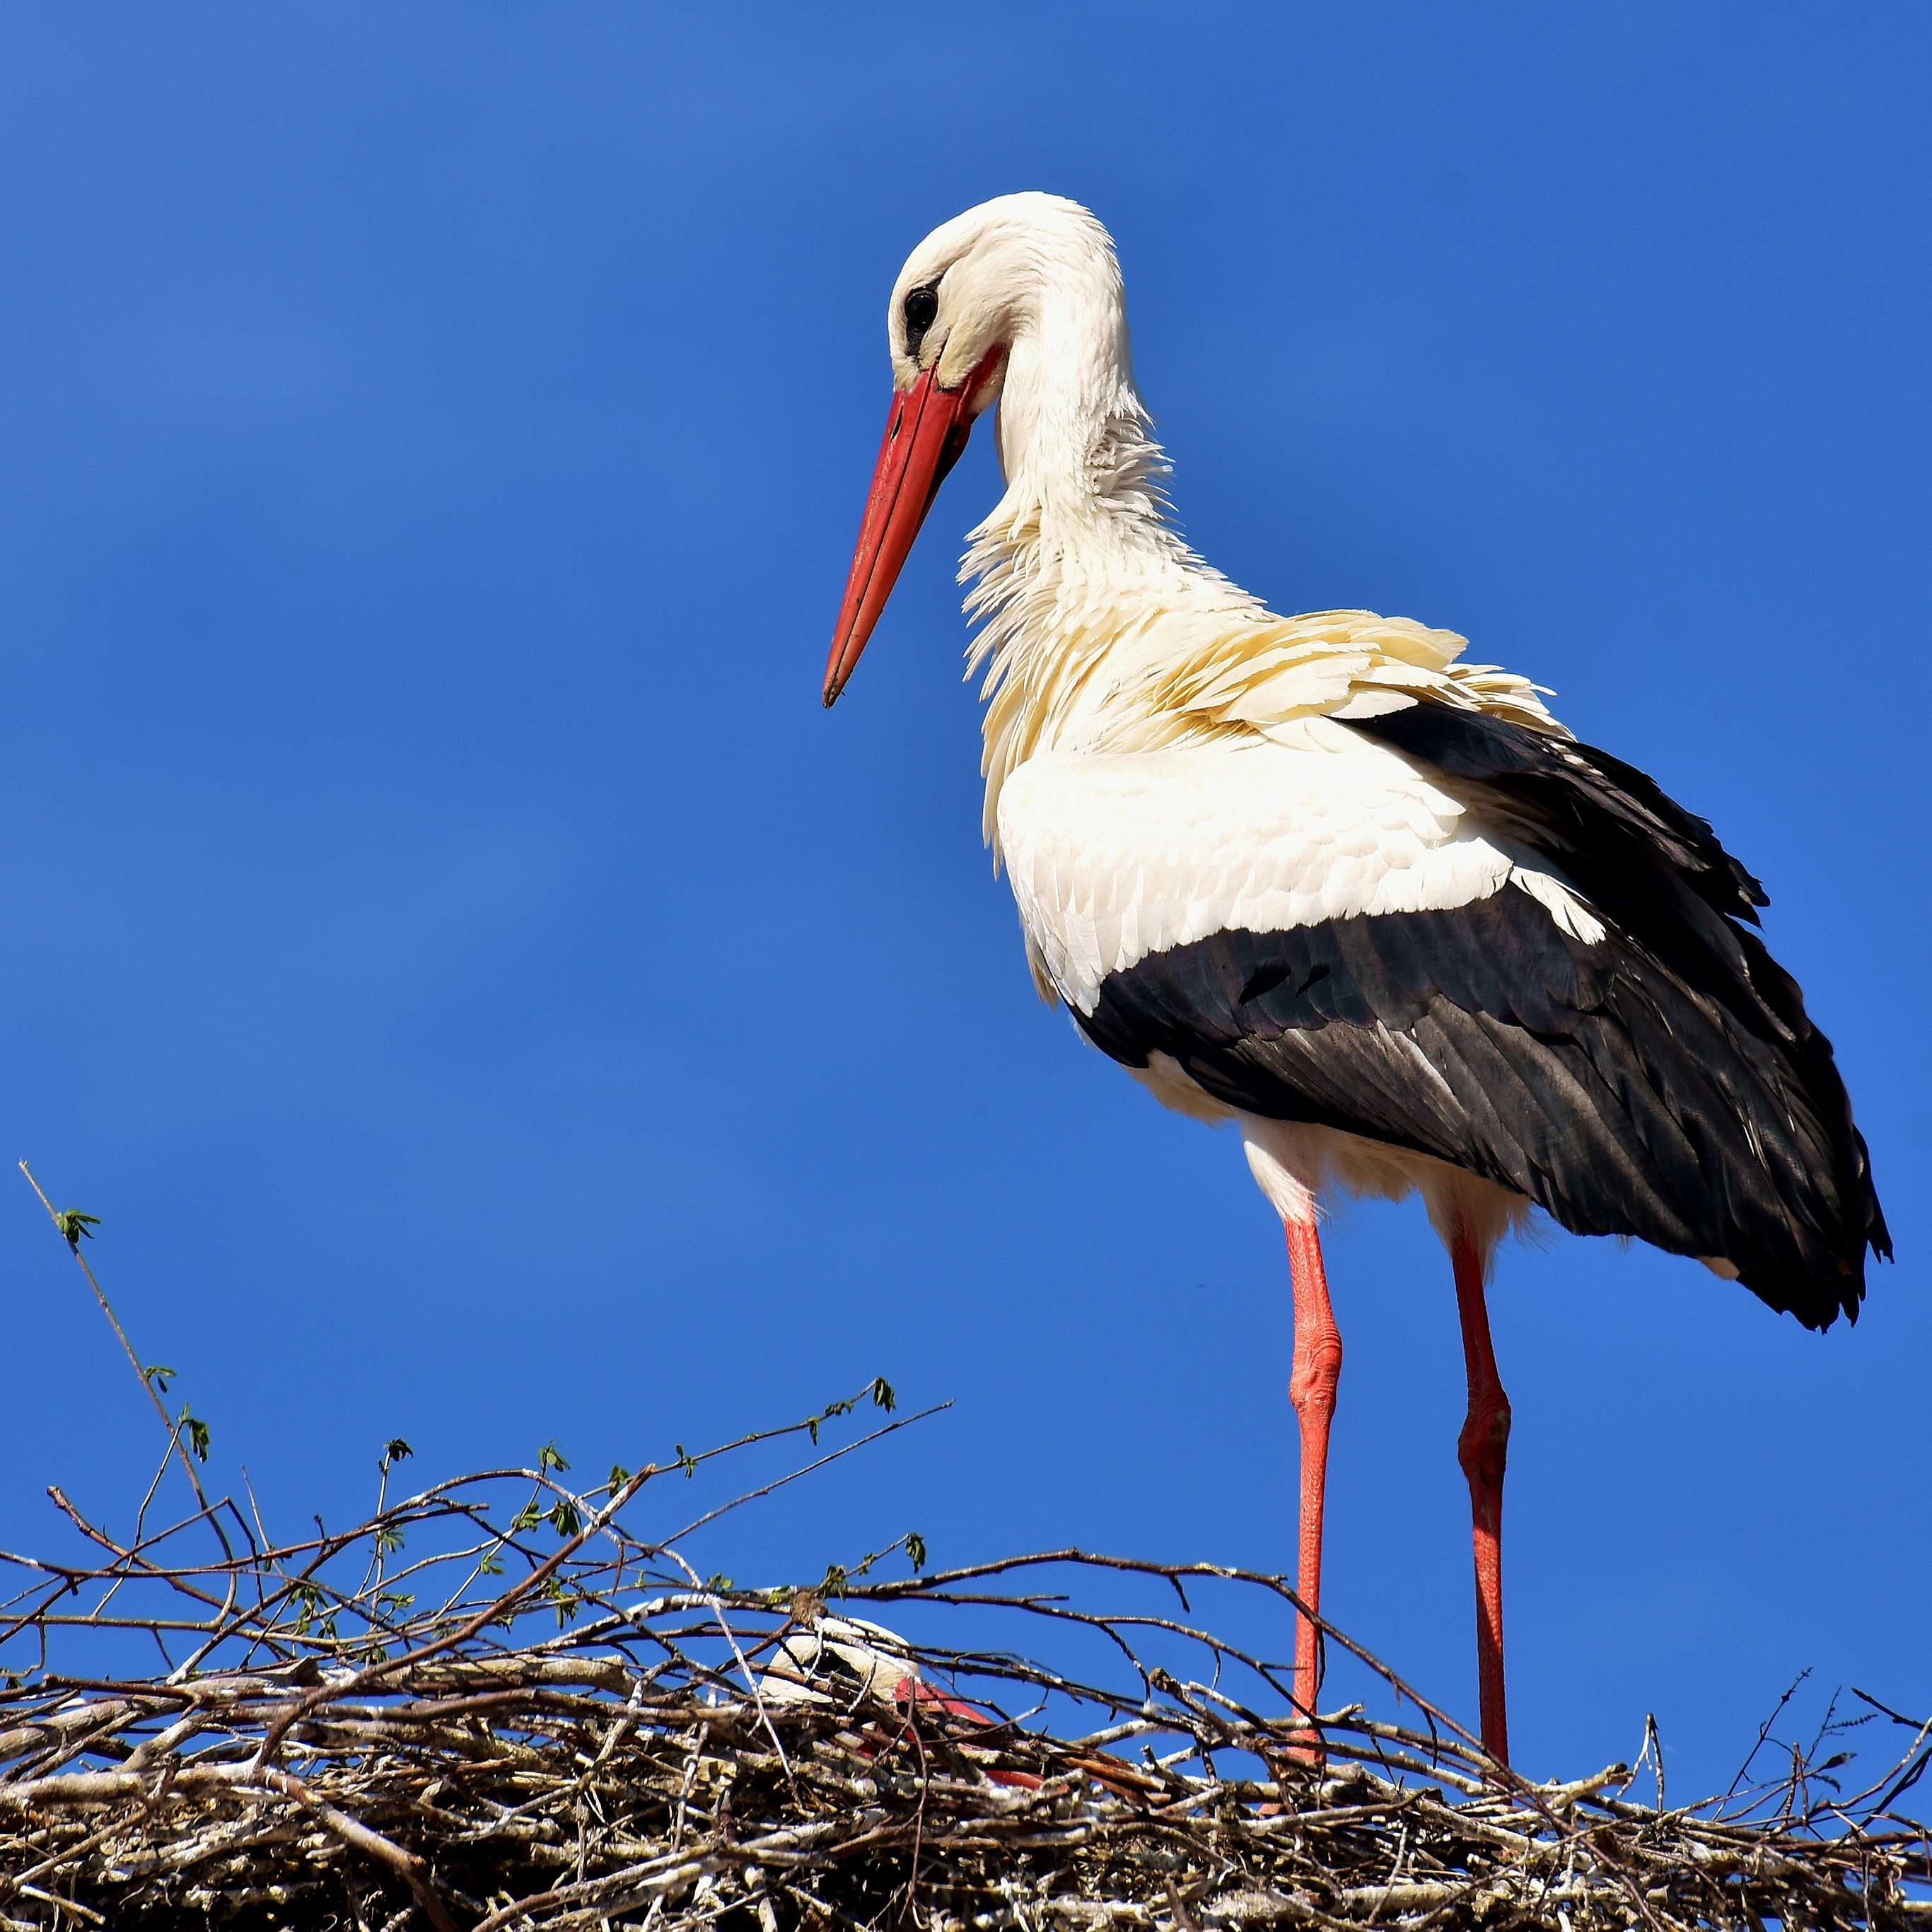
(486, 998)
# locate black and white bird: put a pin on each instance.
(1318, 876)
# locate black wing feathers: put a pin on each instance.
(1610, 815)
(1664, 1083)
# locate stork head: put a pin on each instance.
(981, 294)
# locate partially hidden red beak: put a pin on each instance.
(926, 432)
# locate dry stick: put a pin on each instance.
(63, 1904)
(255, 1508)
(810, 1468)
(154, 1486)
(151, 1572)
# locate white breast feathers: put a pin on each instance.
(1114, 857)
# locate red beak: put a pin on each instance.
(926, 431)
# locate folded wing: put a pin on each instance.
(1456, 935)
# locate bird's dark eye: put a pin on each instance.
(921, 306)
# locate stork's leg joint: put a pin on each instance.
(1483, 1449)
(1318, 1369)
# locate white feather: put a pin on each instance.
(1565, 907)
(1113, 856)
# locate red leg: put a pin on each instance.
(1311, 1387)
(1483, 1449)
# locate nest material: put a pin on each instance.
(553, 1787)
(442, 1716)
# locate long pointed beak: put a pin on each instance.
(926, 431)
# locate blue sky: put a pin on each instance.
(487, 999)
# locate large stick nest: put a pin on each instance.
(493, 1706)
(473, 1717)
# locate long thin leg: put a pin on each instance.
(1311, 1387)
(1482, 1449)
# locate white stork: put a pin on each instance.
(1317, 876)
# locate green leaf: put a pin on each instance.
(565, 1517)
(397, 1600)
(388, 1538)
(396, 1451)
(74, 1226)
(718, 1580)
(550, 1456)
(160, 1376)
(528, 1517)
(197, 1433)
(490, 1566)
(845, 1406)
(689, 1462)
(915, 1545)
(620, 1476)
(835, 1580)
(884, 1395)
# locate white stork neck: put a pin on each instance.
(1083, 473)
(1077, 557)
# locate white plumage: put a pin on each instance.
(1114, 856)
